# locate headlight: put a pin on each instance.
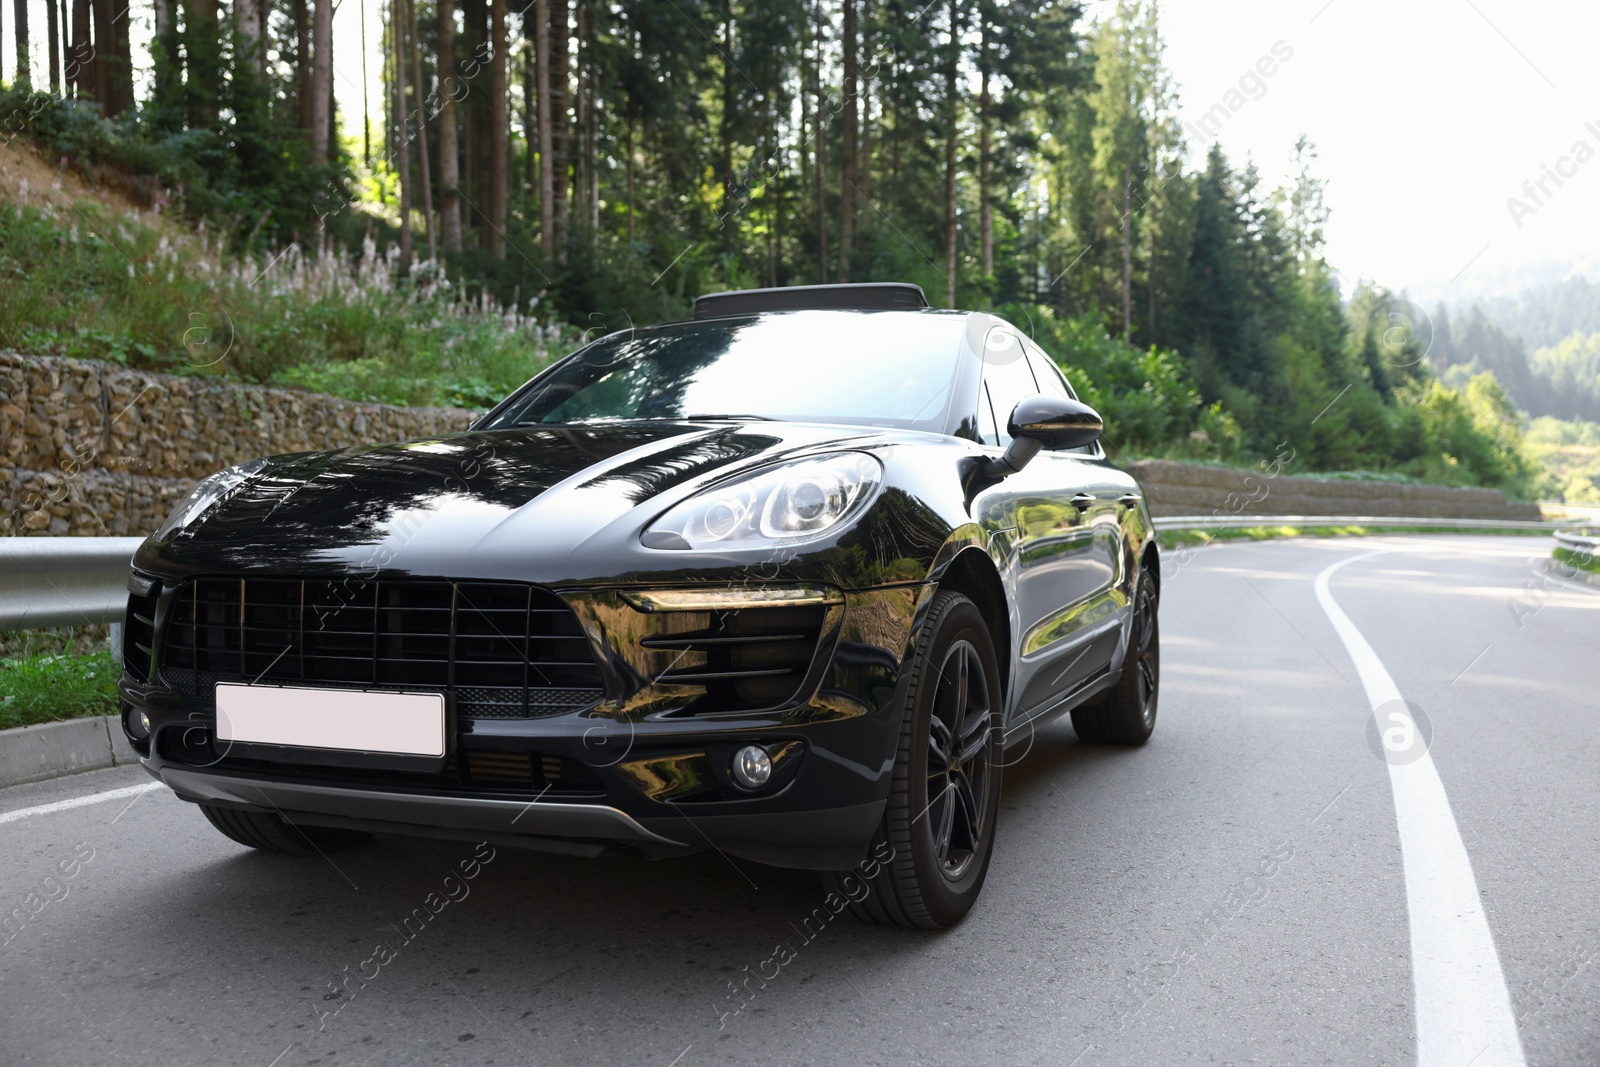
(781, 505)
(204, 495)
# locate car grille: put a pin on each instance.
(503, 650)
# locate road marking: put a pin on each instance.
(1462, 1005)
(77, 802)
(1574, 586)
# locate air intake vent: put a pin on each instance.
(747, 660)
(139, 633)
(503, 650)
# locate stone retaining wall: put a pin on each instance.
(1174, 488)
(93, 449)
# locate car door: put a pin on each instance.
(1066, 539)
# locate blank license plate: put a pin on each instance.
(348, 720)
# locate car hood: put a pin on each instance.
(541, 503)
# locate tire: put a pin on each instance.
(270, 832)
(1126, 715)
(929, 858)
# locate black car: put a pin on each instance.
(793, 580)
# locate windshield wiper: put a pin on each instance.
(759, 418)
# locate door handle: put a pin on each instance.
(1129, 500)
(1082, 500)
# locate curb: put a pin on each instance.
(35, 753)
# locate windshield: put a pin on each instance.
(883, 368)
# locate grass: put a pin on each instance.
(1584, 561)
(87, 281)
(38, 687)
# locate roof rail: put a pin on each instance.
(902, 296)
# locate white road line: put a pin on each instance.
(1463, 1007)
(1574, 586)
(78, 802)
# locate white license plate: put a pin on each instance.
(348, 720)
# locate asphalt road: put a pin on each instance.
(1234, 892)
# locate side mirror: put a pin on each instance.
(1055, 422)
(1046, 422)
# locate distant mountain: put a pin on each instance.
(1547, 314)
(1542, 344)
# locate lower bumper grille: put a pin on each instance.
(502, 650)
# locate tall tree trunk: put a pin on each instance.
(103, 59)
(805, 117)
(53, 42)
(864, 163)
(418, 93)
(474, 115)
(547, 197)
(24, 76)
(592, 136)
(366, 107)
(985, 160)
(321, 77)
(1150, 276)
(950, 117)
(847, 167)
(1127, 251)
(530, 170)
(581, 104)
(166, 51)
(775, 189)
(817, 171)
(80, 64)
(449, 148)
(304, 93)
(119, 72)
(247, 22)
(725, 128)
(402, 131)
(499, 121)
(630, 182)
(560, 85)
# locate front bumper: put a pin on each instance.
(632, 775)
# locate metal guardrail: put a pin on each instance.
(63, 581)
(1237, 522)
(1574, 541)
(70, 581)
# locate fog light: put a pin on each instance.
(752, 766)
(144, 725)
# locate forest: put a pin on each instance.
(532, 176)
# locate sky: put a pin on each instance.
(1428, 117)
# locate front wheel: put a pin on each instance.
(1126, 715)
(931, 853)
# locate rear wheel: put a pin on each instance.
(1126, 715)
(931, 853)
(271, 832)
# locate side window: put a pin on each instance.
(1049, 376)
(1007, 380)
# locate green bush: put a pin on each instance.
(352, 324)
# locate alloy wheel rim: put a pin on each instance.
(958, 760)
(1149, 662)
